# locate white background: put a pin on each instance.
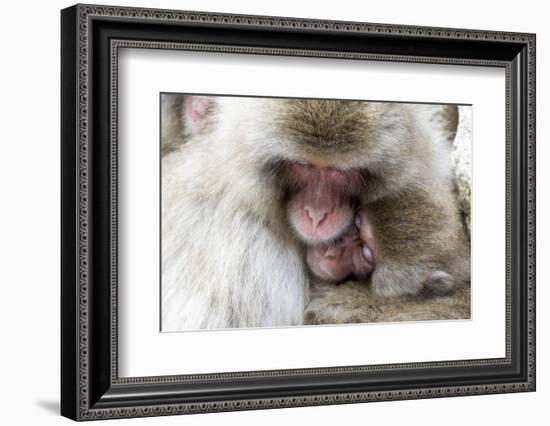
(146, 352)
(29, 229)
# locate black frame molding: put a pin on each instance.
(90, 38)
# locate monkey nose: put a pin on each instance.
(316, 216)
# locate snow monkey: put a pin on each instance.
(267, 197)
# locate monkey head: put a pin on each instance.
(342, 154)
(351, 257)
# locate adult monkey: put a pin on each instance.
(253, 170)
(228, 259)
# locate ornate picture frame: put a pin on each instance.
(91, 37)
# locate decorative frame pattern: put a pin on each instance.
(85, 397)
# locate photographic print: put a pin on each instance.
(281, 212)
(298, 218)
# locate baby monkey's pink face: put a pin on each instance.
(351, 256)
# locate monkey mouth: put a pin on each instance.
(322, 229)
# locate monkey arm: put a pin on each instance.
(420, 243)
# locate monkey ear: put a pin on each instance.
(195, 112)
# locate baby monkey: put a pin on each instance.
(371, 197)
(350, 257)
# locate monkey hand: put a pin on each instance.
(403, 279)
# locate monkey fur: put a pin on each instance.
(238, 173)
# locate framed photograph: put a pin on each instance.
(263, 212)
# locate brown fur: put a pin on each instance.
(172, 128)
(354, 302)
(449, 120)
(324, 124)
(418, 232)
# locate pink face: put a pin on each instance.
(350, 256)
(320, 209)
